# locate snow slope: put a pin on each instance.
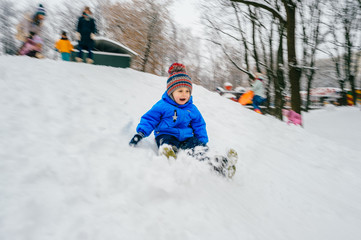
(67, 172)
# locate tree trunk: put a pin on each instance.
(309, 85)
(279, 83)
(255, 53)
(294, 70)
(149, 41)
(244, 40)
(353, 89)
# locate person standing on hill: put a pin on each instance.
(259, 94)
(86, 30)
(64, 46)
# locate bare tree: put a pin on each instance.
(232, 35)
(68, 18)
(7, 17)
(224, 32)
(294, 72)
(310, 16)
(237, 12)
(346, 19)
(141, 25)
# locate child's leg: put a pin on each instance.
(90, 53)
(256, 102)
(168, 145)
(191, 143)
(80, 53)
(65, 56)
(32, 53)
(195, 148)
(167, 139)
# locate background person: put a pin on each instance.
(86, 30)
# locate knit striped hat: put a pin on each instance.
(41, 10)
(178, 78)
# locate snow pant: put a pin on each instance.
(65, 56)
(194, 147)
(256, 101)
(88, 48)
(189, 143)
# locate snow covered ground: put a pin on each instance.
(67, 172)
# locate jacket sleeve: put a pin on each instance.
(71, 47)
(150, 120)
(57, 45)
(199, 126)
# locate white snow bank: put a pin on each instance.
(67, 172)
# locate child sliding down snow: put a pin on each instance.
(178, 124)
(32, 47)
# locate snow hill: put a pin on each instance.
(67, 172)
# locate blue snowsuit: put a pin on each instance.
(174, 123)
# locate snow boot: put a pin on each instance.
(226, 166)
(232, 157)
(168, 151)
(78, 59)
(39, 55)
(258, 111)
(89, 60)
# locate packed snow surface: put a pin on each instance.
(67, 172)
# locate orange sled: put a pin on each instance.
(246, 98)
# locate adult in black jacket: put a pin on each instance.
(86, 31)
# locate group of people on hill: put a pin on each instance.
(29, 33)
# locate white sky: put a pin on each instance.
(184, 11)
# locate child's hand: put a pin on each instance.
(136, 139)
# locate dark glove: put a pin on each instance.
(136, 139)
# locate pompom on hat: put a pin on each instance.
(178, 78)
(41, 10)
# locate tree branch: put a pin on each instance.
(269, 8)
(220, 30)
(230, 59)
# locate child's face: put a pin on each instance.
(181, 95)
(41, 16)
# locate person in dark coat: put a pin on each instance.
(86, 30)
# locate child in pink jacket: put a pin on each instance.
(32, 47)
